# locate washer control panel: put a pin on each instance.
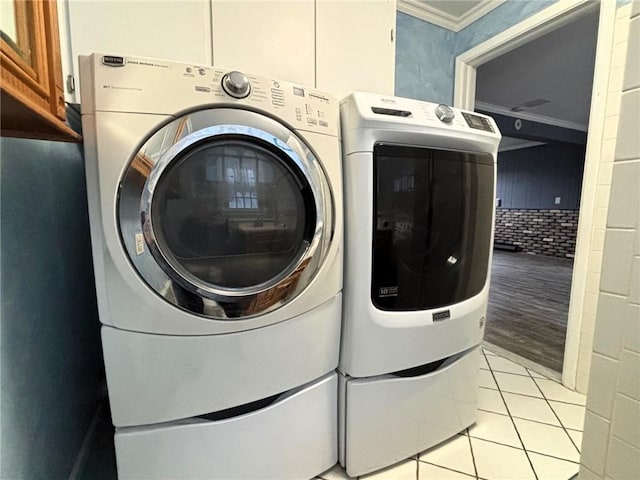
(163, 87)
(302, 107)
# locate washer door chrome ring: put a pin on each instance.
(159, 268)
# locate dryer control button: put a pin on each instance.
(445, 113)
(236, 84)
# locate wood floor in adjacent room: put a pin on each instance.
(529, 305)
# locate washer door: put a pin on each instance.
(225, 213)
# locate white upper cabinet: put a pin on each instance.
(272, 38)
(355, 46)
(338, 46)
(179, 31)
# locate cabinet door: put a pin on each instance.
(271, 38)
(355, 46)
(178, 31)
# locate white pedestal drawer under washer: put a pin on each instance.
(215, 208)
(419, 186)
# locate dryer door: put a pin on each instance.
(432, 227)
(225, 213)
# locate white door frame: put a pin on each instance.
(549, 19)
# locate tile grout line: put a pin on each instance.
(515, 448)
(523, 418)
(566, 430)
(473, 457)
(528, 374)
(497, 443)
(449, 469)
(554, 457)
(535, 474)
(557, 416)
(528, 364)
(531, 396)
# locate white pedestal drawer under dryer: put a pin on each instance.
(215, 212)
(419, 187)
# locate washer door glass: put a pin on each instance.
(231, 214)
(225, 213)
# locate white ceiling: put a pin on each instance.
(451, 14)
(555, 72)
(454, 8)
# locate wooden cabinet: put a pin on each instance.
(32, 96)
(179, 31)
(272, 38)
(355, 46)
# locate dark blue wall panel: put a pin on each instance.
(50, 342)
(531, 178)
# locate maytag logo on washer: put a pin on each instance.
(444, 315)
(388, 291)
(113, 61)
(387, 100)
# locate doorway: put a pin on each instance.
(539, 94)
(536, 26)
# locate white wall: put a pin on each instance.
(611, 441)
(604, 175)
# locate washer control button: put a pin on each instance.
(445, 113)
(236, 84)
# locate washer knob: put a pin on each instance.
(444, 113)
(236, 84)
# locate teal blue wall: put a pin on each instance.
(426, 53)
(497, 20)
(51, 358)
(424, 60)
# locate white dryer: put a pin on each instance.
(215, 210)
(419, 206)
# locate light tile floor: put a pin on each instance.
(529, 427)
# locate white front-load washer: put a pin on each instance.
(215, 210)
(419, 183)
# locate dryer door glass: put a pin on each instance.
(231, 214)
(432, 227)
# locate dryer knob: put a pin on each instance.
(236, 84)
(444, 113)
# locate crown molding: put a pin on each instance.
(556, 122)
(425, 12)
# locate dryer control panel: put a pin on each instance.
(414, 122)
(134, 84)
(370, 110)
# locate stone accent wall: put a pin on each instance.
(546, 232)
